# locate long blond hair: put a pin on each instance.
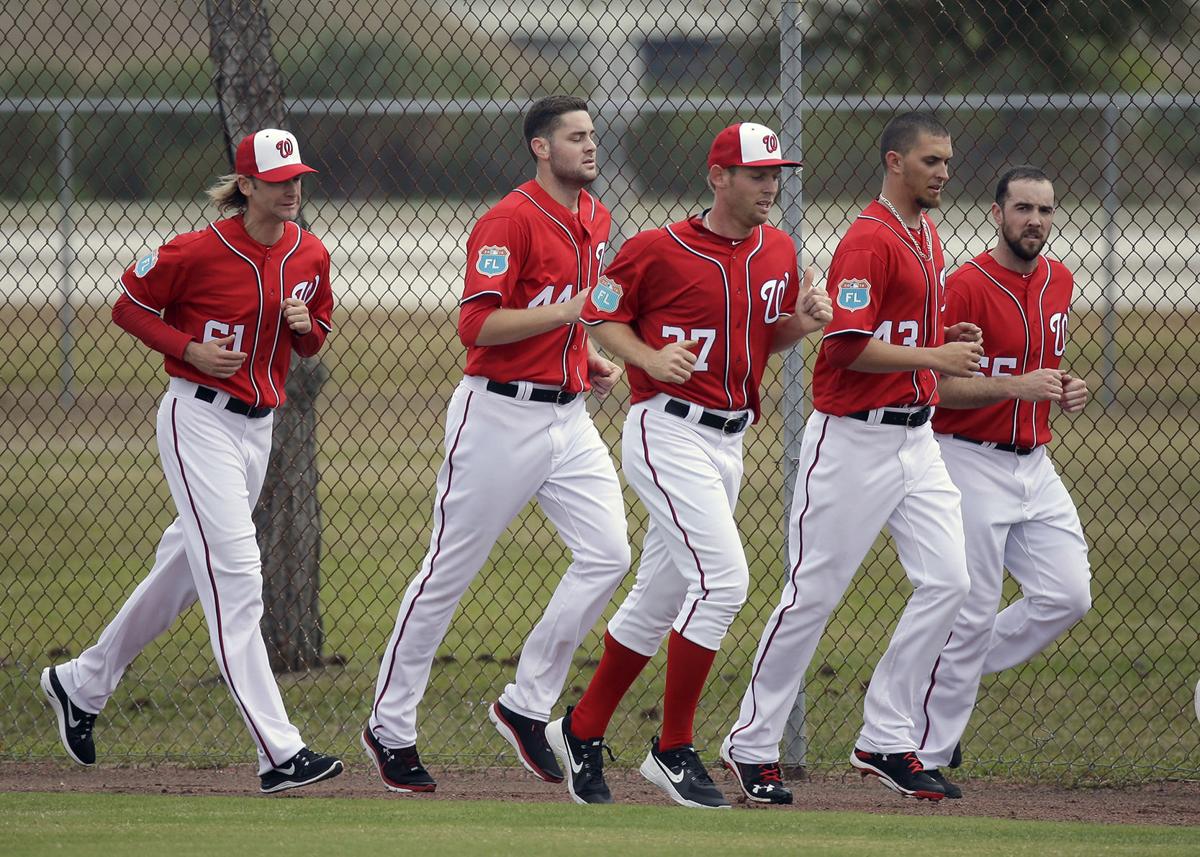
(226, 195)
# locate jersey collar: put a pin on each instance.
(586, 204)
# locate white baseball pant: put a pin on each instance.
(1016, 514)
(854, 477)
(693, 575)
(215, 462)
(500, 453)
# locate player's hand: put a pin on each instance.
(673, 363)
(295, 314)
(964, 331)
(214, 357)
(814, 303)
(1041, 385)
(574, 307)
(958, 359)
(603, 374)
(1074, 395)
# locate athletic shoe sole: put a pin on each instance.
(59, 712)
(329, 773)
(510, 735)
(866, 769)
(654, 772)
(558, 745)
(378, 763)
(731, 766)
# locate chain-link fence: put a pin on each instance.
(412, 113)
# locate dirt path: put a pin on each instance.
(1162, 803)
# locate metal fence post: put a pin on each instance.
(66, 256)
(795, 746)
(1111, 175)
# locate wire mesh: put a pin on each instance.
(412, 114)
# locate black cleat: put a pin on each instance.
(956, 756)
(952, 791)
(681, 774)
(759, 783)
(900, 772)
(400, 768)
(582, 761)
(528, 737)
(74, 724)
(302, 769)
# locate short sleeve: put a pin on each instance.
(152, 282)
(615, 296)
(856, 282)
(495, 251)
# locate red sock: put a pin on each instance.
(687, 669)
(618, 668)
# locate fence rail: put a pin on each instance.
(82, 501)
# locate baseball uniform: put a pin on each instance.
(214, 437)
(516, 429)
(868, 458)
(681, 447)
(1016, 511)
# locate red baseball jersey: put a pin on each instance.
(684, 282)
(219, 281)
(882, 286)
(1024, 321)
(530, 251)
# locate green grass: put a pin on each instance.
(101, 825)
(82, 503)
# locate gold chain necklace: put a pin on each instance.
(925, 247)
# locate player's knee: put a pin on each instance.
(730, 590)
(1073, 602)
(951, 586)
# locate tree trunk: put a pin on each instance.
(288, 517)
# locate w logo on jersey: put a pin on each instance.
(606, 296)
(854, 294)
(305, 291)
(492, 261)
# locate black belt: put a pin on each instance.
(236, 406)
(897, 418)
(729, 425)
(537, 394)
(1003, 447)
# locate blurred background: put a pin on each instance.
(114, 119)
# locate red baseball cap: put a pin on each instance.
(271, 155)
(747, 144)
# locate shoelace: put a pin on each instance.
(687, 758)
(592, 757)
(770, 774)
(914, 764)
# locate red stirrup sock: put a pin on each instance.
(688, 666)
(618, 668)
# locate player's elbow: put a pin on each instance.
(843, 351)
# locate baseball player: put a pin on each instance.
(517, 429)
(694, 309)
(1016, 511)
(868, 458)
(226, 306)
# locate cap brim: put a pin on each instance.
(282, 174)
(774, 162)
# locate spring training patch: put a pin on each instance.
(854, 294)
(606, 296)
(145, 264)
(492, 261)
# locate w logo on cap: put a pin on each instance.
(771, 143)
(285, 148)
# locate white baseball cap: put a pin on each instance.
(747, 144)
(271, 155)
